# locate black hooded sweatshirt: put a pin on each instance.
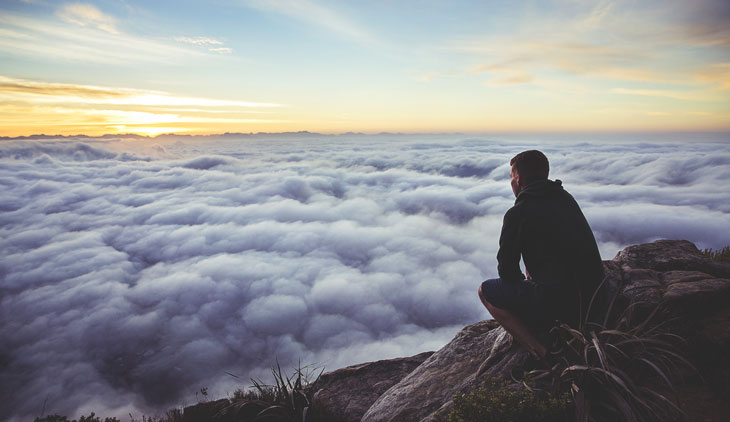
(548, 230)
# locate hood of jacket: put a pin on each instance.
(541, 188)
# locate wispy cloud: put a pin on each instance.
(59, 39)
(430, 76)
(222, 50)
(43, 106)
(612, 40)
(202, 41)
(677, 95)
(88, 15)
(70, 93)
(211, 44)
(506, 75)
(315, 14)
(527, 56)
(517, 78)
(717, 74)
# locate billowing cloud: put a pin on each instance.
(135, 271)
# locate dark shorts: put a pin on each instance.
(523, 298)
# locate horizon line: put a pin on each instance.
(380, 133)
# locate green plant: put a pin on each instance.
(498, 403)
(622, 372)
(722, 255)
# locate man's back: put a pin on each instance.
(548, 230)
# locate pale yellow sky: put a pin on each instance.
(247, 66)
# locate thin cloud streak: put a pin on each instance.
(88, 15)
(43, 106)
(677, 95)
(71, 93)
(203, 41)
(41, 37)
(315, 14)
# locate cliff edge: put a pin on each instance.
(691, 290)
(687, 290)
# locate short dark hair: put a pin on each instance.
(531, 165)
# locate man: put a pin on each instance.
(547, 229)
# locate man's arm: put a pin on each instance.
(508, 257)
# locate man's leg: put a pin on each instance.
(516, 328)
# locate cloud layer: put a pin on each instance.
(134, 272)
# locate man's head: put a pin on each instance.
(528, 167)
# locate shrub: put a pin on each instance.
(498, 403)
(91, 418)
(173, 415)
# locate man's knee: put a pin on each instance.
(486, 303)
(482, 298)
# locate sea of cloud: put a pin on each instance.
(134, 272)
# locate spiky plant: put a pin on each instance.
(618, 370)
(288, 399)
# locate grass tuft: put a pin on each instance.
(91, 418)
(722, 255)
(288, 399)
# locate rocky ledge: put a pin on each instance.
(691, 290)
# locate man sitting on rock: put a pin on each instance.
(547, 229)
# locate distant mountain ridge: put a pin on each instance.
(298, 134)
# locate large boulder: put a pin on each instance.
(692, 290)
(689, 288)
(347, 393)
(453, 369)
(207, 411)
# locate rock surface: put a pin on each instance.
(205, 411)
(364, 383)
(691, 289)
(430, 387)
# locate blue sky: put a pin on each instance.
(430, 66)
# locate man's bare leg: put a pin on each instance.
(516, 328)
